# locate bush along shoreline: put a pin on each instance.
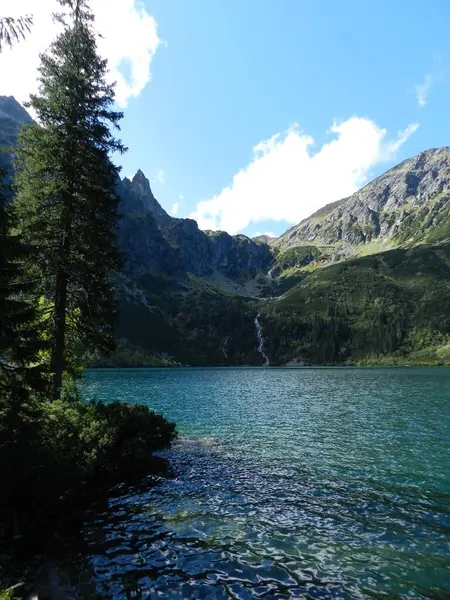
(57, 458)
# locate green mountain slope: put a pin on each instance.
(389, 307)
(194, 323)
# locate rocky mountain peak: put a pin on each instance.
(139, 197)
(141, 179)
(13, 110)
(141, 185)
(410, 200)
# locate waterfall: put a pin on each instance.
(260, 340)
(224, 346)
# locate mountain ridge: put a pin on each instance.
(365, 279)
(379, 216)
(153, 240)
(367, 215)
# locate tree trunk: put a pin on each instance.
(57, 359)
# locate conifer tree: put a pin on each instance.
(66, 200)
(14, 29)
(20, 340)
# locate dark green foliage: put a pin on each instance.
(216, 329)
(194, 325)
(58, 256)
(392, 307)
(392, 304)
(134, 432)
(64, 445)
(20, 340)
(66, 200)
(299, 256)
(14, 29)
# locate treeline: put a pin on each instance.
(193, 324)
(391, 307)
(58, 256)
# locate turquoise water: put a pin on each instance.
(287, 483)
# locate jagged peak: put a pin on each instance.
(140, 197)
(141, 184)
(141, 179)
(13, 109)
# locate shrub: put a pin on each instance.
(48, 449)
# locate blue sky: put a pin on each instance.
(229, 75)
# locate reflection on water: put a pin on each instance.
(286, 484)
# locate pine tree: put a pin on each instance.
(20, 340)
(14, 29)
(66, 200)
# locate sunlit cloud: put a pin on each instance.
(160, 177)
(286, 181)
(422, 90)
(176, 206)
(129, 42)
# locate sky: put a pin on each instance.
(249, 115)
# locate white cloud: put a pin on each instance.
(436, 75)
(176, 206)
(422, 90)
(401, 138)
(285, 181)
(159, 177)
(129, 39)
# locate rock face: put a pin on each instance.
(12, 116)
(264, 239)
(409, 204)
(151, 240)
(140, 199)
(154, 241)
(381, 211)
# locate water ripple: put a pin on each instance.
(286, 484)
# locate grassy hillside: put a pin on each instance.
(388, 308)
(163, 323)
(392, 307)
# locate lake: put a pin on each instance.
(286, 483)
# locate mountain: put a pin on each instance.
(391, 307)
(140, 199)
(264, 239)
(407, 204)
(156, 242)
(152, 240)
(12, 116)
(364, 280)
